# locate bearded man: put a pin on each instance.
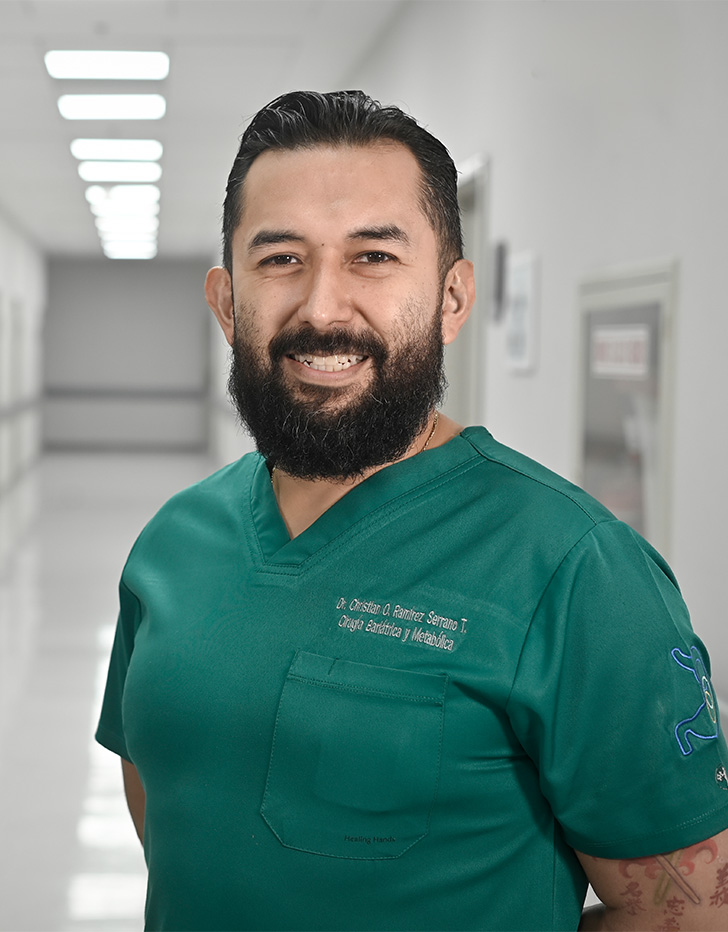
(386, 673)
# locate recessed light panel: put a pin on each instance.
(129, 250)
(126, 193)
(120, 171)
(128, 236)
(127, 224)
(117, 150)
(112, 106)
(126, 219)
(124, 209)
(107, 65)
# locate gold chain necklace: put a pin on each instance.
(432, 432)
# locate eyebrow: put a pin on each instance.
(273, 238)
(389, 233)
(386, 233)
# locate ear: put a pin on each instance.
(457, 299)
(219, 295)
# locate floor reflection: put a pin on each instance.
(70, 859)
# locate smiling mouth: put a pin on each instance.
(327, 363)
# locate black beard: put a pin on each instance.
(299, 436)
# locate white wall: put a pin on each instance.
(22, 306)
(126, 355)
(605, 126)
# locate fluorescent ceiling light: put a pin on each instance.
(127, 224)
(120, 171)
(117, 150)
(112, 106)
(126, 193)
(118, 208)
(116, 66)
(139, 193)
(124, 251)
(96, 194)
(119, 250)
(128, 237)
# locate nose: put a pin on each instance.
(326, 301)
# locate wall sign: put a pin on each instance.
(521, 317)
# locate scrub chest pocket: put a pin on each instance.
(355, 760)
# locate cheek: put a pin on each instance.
(265, 321)
(416, 320)
(248, 333)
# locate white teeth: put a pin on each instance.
(327, 363)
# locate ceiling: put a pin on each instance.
(227, 59)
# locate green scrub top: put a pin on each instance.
(411, 714)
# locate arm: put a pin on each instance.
(135, 798)
(685, 889)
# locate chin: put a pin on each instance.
(327, 397)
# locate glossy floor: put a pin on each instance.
(69, 858)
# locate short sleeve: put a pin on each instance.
(613, 702)
(110, 731)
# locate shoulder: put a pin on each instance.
(214, 502)
(532, 482)
(224, 485)
(558, 517)
(533, 511)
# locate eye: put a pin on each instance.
(283, 259)
(375, 257)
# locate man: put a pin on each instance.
(388, 674)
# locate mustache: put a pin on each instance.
(338, 342)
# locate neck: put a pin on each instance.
(302, 501)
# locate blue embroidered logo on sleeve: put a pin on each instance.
(704, 723)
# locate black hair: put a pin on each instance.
(304, 119)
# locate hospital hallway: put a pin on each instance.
(70, 859)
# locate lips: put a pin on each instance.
(328, 363)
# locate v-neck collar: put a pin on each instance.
(269, 536)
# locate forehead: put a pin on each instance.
(340, 181)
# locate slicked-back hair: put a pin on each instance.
(306, 119)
